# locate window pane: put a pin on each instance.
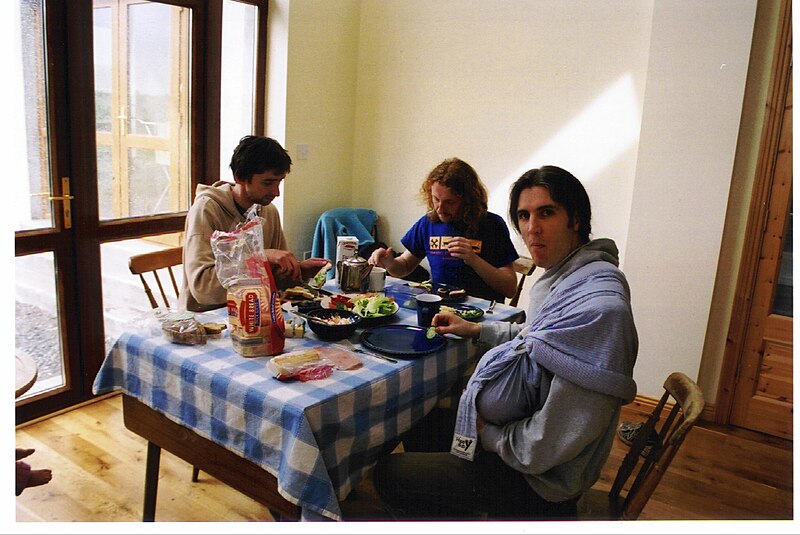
(783, 304)
(36, 326)
(148, 174)
(105, 181)
(27, 89)
(239, 39)
(102, 69)
(149, 69)
(124, 300)
(142, 65)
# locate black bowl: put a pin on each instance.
(329, 332)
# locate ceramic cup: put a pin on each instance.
(377, 279)
(427, 307)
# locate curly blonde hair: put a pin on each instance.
(459, 176)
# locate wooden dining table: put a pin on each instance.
(297, 447)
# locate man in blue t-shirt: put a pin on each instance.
(466, 245)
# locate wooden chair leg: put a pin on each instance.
(195, 474)
(151, 482)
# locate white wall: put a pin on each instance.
(319, 111)
(695, 86)
(629, 95)
(494, 84)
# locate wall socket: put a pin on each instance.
(306, 255)
(302, 151)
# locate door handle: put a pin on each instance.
(66, 198)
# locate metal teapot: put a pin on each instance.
(354, 274)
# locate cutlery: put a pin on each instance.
(376, 355)
(490, 310)
(309, 318)
(355, 349)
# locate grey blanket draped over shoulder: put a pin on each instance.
(583, 332)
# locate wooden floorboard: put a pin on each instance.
(98, 476)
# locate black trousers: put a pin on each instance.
(427, 482)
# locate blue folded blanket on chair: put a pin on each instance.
(336, 222)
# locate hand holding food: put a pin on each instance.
(450, 323)
(284, 264)
(315, 269)
(462, 249)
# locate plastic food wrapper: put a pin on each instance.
(304, 365)
(183, 328)
(254, 313)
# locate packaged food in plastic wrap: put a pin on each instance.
(304, 365)
(254, 313)
(256, 328)
(183, 328)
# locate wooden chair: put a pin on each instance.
(596, 504)
(156, 265)
(524, 266)
(152, 263)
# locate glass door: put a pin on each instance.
(43, 201)
(106, 166)
(142, 75)
(116, 117)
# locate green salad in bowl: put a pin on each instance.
(374, 308)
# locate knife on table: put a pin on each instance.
(352, 347)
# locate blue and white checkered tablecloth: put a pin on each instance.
(318, 438)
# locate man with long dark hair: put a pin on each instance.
(537, 419)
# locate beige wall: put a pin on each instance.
(320, 40)
(641, 100)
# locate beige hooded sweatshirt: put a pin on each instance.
(214, 209)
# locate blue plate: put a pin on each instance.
(402, 340)
(468, 312)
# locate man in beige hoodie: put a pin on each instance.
(258, 164)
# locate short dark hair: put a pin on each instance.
(256, 154)
(564, 188)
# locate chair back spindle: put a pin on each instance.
(524, 266)
(653, 449)
(149, 264)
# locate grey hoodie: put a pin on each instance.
(562, 446)
(214, 209)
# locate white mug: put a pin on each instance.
(377, 279)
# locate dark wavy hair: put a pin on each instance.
(564, 188)
(256, 154)
(459, 176)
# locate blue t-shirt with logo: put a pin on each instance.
(492, 242)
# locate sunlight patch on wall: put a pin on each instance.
(587, 144)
